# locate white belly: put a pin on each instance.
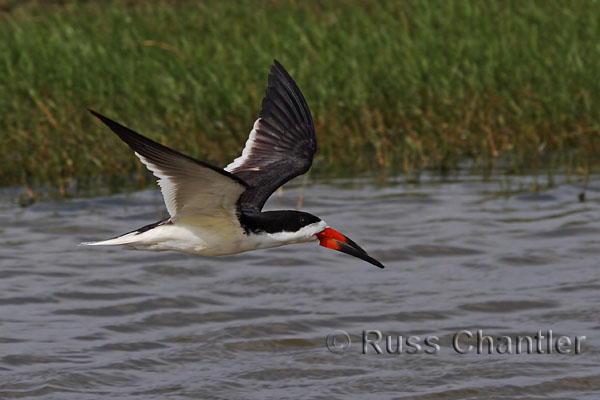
(209, 236)
(212, 240)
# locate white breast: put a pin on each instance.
(210, 236)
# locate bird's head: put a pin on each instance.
(299, 226)
(331, 238)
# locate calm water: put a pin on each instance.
(79, 322)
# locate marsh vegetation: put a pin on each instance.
(393, 86)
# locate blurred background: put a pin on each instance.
(458, 143)
(394, 86)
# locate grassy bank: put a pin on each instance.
(392, 85)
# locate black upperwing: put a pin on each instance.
(281, 145)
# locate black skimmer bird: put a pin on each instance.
(217, 211)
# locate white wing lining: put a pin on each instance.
(247, 152)
(167, 186)
(194, 189)
(189, 186)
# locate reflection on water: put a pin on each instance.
(79, 322)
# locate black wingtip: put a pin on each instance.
(277, 68)
(277, 64)
(151, 149)
(122, 131)
(102, 118)
(281, 84)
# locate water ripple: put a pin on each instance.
(460, 254)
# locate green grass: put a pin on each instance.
(394, 86)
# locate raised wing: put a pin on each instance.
(188, 185)
(281, 145)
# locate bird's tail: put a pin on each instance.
(123, 239)
(127, 238)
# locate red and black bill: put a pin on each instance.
(333, 239)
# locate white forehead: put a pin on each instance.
(305, 234)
